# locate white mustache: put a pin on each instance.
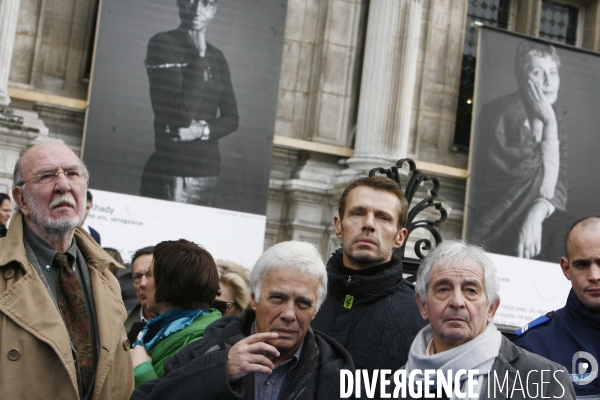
(62, 200)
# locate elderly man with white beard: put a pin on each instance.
(457, 291)
(61, 315)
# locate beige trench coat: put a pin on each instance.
(35, 354)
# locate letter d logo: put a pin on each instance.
(579, 375)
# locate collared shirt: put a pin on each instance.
(142, 318)
(268, 386)
(44, 253)
(430, 349)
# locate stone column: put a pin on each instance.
(9, 15)
(387, 83)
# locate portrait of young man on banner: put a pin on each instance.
(194, 106)
(530, 145)
(183, 100)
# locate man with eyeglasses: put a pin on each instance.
(139, 315)
(61, 329)
(194, 106)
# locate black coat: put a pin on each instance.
(199, 370)
(524, 370)
(379, 327)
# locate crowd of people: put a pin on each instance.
(287, 328)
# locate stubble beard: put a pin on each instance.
(363, 261)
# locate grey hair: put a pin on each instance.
(300, 257)
(454, 253)
(525, 51)
(18, 173)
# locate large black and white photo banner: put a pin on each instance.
(180, 123)
(535, 135)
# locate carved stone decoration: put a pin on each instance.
(416, 178)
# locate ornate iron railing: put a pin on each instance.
(415, 179)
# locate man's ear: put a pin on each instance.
(400, 237)
(337, 222)
(253, 302)
(493, 308)
(19, 197)
(422, 307)
(564, 265)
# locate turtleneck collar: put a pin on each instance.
(343, 270)
(577, 309)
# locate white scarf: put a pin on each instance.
(478, 353)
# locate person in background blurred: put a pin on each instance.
(4, 213)
(233, 287)
(139, 315)
(88, 207)
(182, 283)
(114, 253)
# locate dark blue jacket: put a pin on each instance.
(559, 335)
(94, 233)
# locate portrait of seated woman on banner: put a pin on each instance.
(518, 184)
(194, 106)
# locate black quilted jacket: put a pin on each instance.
(382, 321)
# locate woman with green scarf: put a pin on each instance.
(182, 283)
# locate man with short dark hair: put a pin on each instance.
(575, 327)
(62, 319)
(269, 351)
(139, 315)
(370, 309)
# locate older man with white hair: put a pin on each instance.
(269, 351)
(457, 292)
(61, 315)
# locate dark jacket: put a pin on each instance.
(186, 87)
(576, 329)
(513, 361)
(94, 234)
(380, 324)
(199, 370)
(520, 370)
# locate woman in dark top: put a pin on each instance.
(4, 213)
(518, 177)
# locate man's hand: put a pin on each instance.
(251, 355)
(192, 132)
(530, 234)
(139, 355)
(196, 130)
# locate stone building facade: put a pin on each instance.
(363, 83)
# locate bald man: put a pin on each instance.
(571, 336)
(61, 316)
